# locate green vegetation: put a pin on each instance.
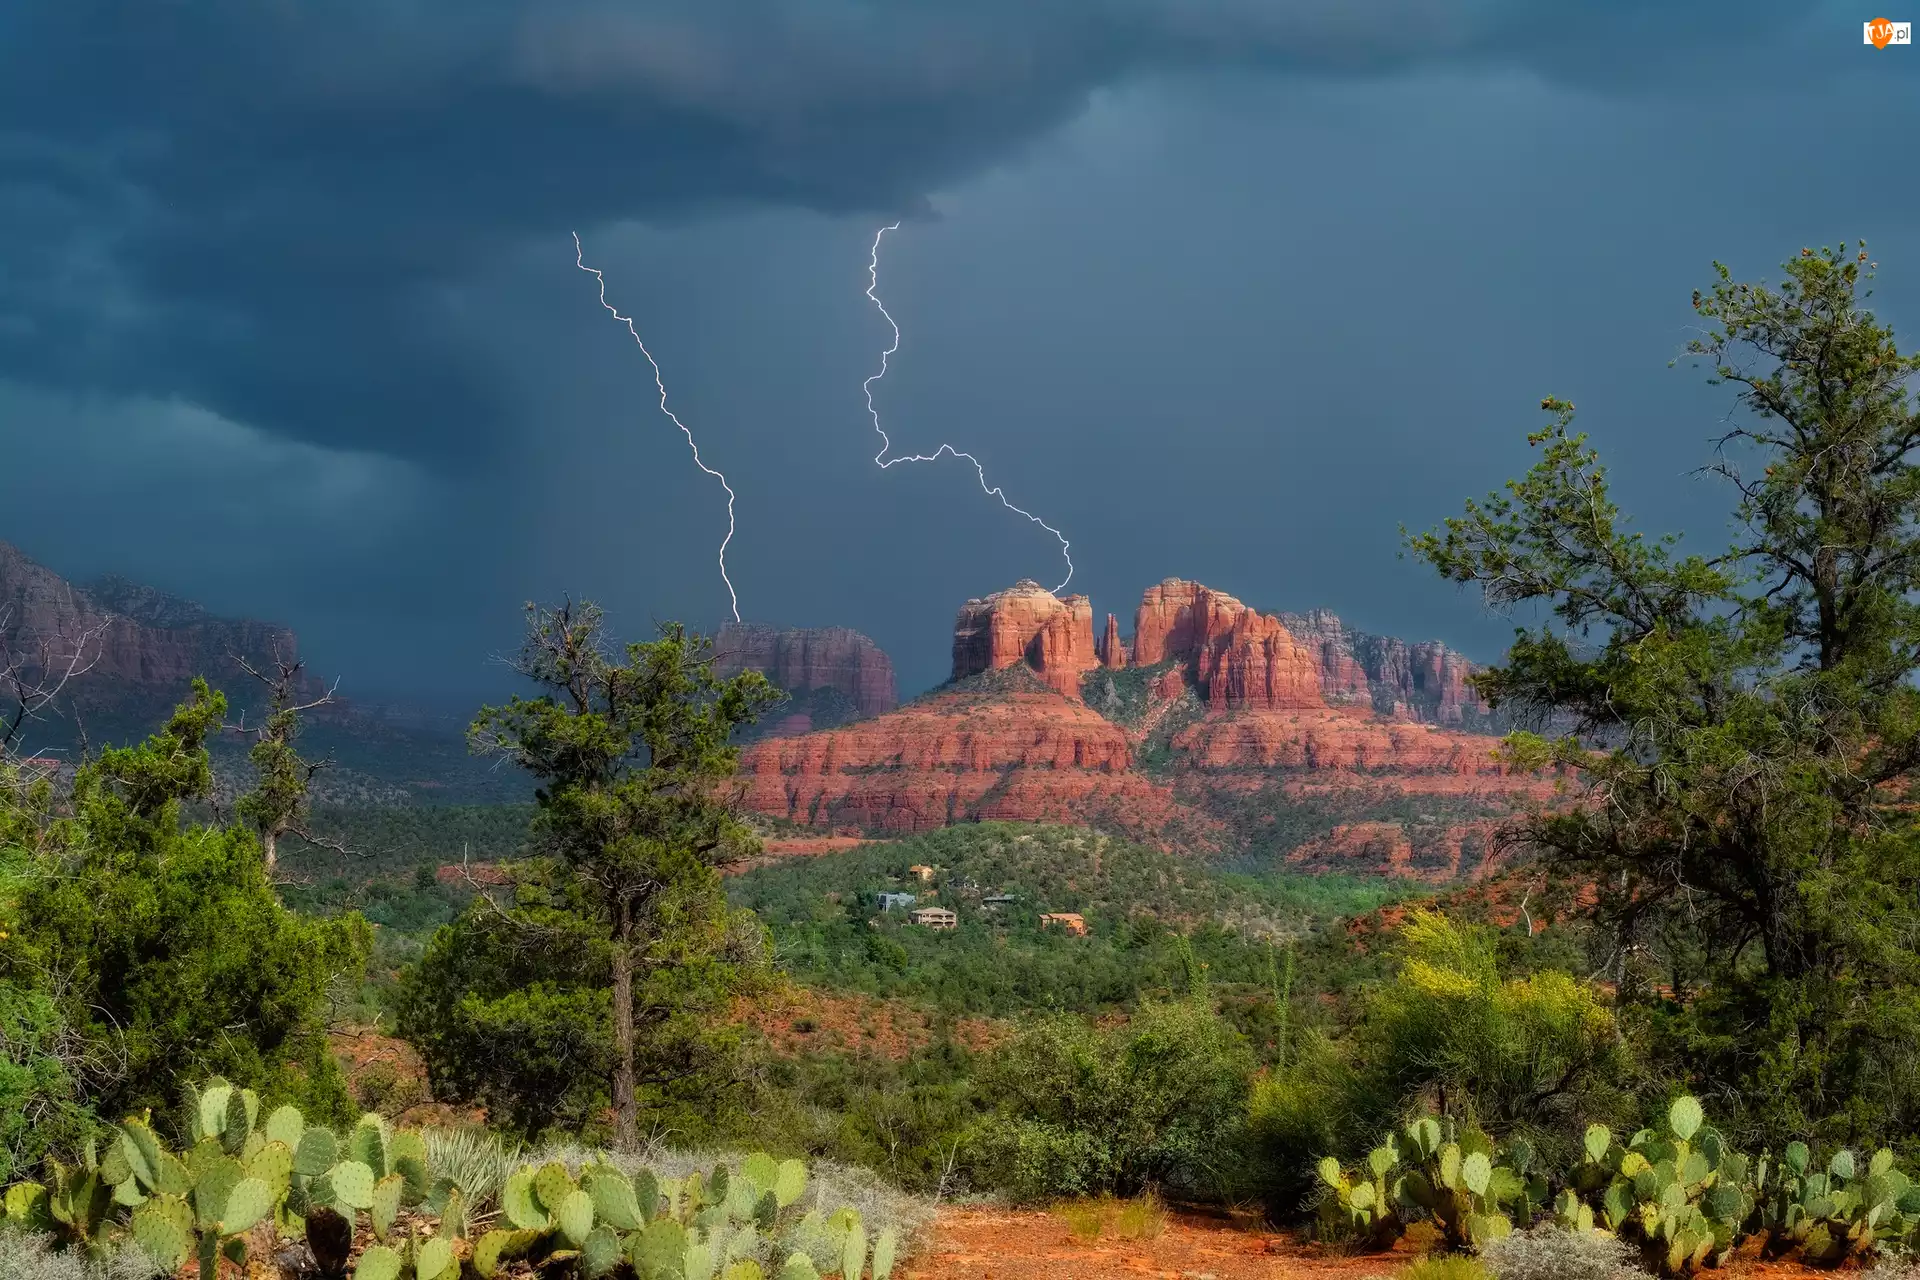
(1122, 696)
(395, 839)
(1148, 914)
(1751, 714)
(1080, 1110)
(138, 950)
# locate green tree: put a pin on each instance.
(1745, 724)
(279, 802)
(624, 917)
(145, 952)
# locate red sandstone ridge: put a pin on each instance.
(1027, 625)
(1295, 661)
(960, 756)
(810, 661)
(1239, 658)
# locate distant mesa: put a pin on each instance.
(143, 649)
(832, 675)
(144, 646)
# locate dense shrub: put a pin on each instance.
(138, 950)
(1081, 1109)
(1538, 1056)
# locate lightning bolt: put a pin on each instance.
(579, 260)
(945, 450)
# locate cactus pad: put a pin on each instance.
(160, 1236)
(790, 1182)
(386, 1204)
(433, 1259)
(315, 1153)
(248, 1202)
(378, 1263)
(552, 1185)
(601, 1253)
(352, 1184)
(853, 1254)
(575, 1217)
(799, 1267)
(614, 1202)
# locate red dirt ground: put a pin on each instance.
(1005, 1244)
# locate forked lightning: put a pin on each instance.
(945, 450)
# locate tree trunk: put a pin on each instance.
(626, 1111)
(267, 841)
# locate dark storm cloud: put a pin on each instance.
(267, 207)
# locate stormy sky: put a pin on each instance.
(1226, 289)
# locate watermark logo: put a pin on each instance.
(1880, 33)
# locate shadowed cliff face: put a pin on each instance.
(140, 648)
(137, 651)
(1027, 625)
(831, 675)
(1213, 732)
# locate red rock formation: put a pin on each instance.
(1332, 740)
(1113, 655)
(1425, 681)
(957, 757)
(1237, 656)
(1432, 852)
(1246, 701)
(1027, 624)
(1173, 619)
(1343, 680)
(800, 660)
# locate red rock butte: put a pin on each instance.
(1232, 703)
(1027, 624)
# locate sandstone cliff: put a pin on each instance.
(832, 674)
(1299, 660)
(1113, 654)
(1421, 681)
(1027, 625)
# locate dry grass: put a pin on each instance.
(32, 1257)
(1089, 1218)
(1550, 1252)
(1443, 1266)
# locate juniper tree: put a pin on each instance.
(1745, 722)
(631, 752)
